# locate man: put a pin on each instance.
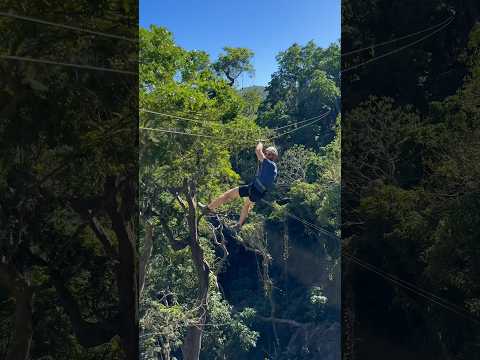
(253, 192)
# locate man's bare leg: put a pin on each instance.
(227, 196)
(247, 206)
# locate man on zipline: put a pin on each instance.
(254, 191)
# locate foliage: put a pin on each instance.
(253, 97)
(233, 63)
(242, 288)
(307, 80)
(67, 185)
(408, 205)
(167, 165)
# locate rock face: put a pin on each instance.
(315, 342)
(239, 279)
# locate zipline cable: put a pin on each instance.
(413, 288)
(69, 27)
(88, 67)
(404, 282)
(392, 278)
(373, 46)
(299, 122)
(398, 49)
(401, 285)
(77, 66)
(180, 117)
(174, 116)
(178, 132)
(303, 221)
(300, 127)
(175, 131)
(120, 37)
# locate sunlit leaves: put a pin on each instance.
(233, 62)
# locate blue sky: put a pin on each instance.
(264, 26)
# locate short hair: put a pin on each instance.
(272, 149)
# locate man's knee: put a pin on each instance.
(228, 195)
(233, 193)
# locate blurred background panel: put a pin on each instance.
(68, 179)
(410, 194)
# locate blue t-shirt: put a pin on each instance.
(267, 173)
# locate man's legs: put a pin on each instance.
(227, 196)
(247, 206)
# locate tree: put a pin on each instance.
(68, 187)
(208, 294)
(253, 97)
(306, 82)
(408, 204)
(233, 63)
(177, 172)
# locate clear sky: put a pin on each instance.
(264, 26)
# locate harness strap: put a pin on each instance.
(259, 186)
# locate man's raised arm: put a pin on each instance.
(259, 152)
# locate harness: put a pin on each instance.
(257, 184)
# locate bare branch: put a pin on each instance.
(222, 245)
(176, 193)
(102, 236)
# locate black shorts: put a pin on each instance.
(250, 191)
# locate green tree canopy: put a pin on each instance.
(306, 81)
(233, 63)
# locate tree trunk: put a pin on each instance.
(11, 280)
(145, 256)
(230, 79)
(164, 350)
(192, 343)
(88, 334)
(127, 286)
(126, 273)
(22, 335)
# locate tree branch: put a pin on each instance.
(83, 209)
(175, 244)
(127, 270)
(102, 236)
(89, 334)
(282, 321)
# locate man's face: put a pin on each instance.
(270, 155)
